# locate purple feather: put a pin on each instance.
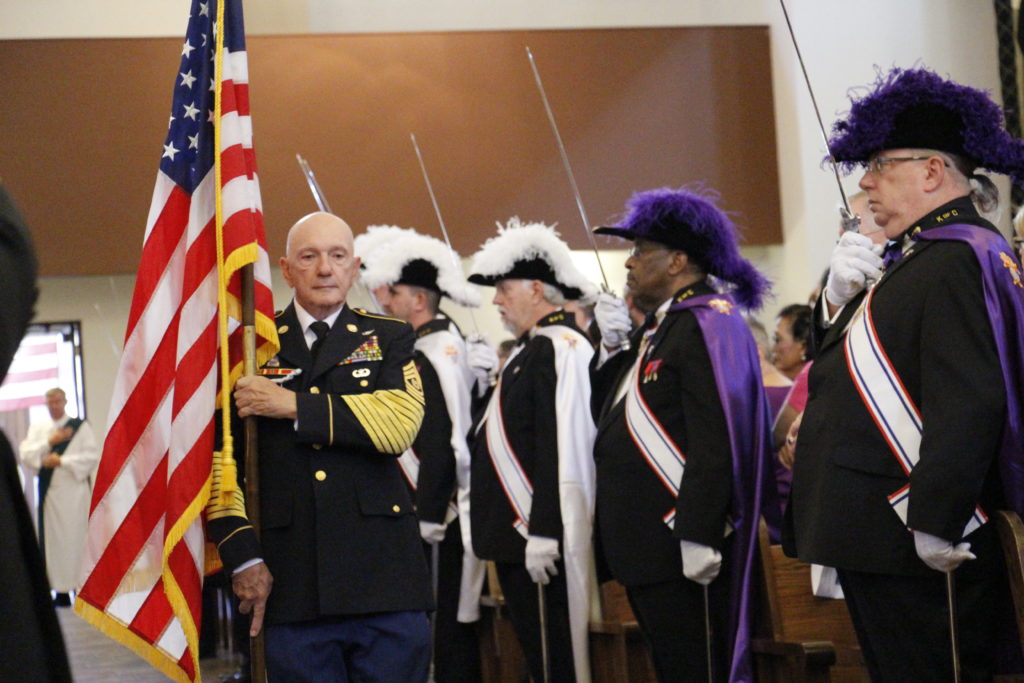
(872, 121)
(703, 231)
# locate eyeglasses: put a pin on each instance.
(877, 165)
(639, 250)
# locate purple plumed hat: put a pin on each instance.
(916, 108)
(688, 221)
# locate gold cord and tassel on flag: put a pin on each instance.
(159, 475)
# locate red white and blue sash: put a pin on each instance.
(660, 452)
(517, 486)
(889, 404)
(409, 463)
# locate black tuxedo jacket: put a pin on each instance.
(930, 316)
(339, 533)
(527, 386)
(638, 546)
(435, 488)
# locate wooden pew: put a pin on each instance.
(1011, 536)
(618, 653)
(502, 659)
(801, 637)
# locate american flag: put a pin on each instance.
(144, 557)
(34, 371)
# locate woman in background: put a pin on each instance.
(792, 343)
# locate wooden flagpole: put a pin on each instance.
(257, 659)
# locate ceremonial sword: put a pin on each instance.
(321, 203)
(954, 638)
(568, 167)
(314, 186)
(572, 177)
(542, 613)
(444, 231)
(851, 221)
(707, 634)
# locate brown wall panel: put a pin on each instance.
(83, 121)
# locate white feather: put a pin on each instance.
(374, 237)
(518, 241)
(384, 264)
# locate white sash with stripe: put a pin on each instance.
(659, 450)
(889, 404)
(514, 481)
(409, 463)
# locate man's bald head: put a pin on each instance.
(319, 262)
(315, 219)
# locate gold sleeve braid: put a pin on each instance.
(214, 508)
(391, 417)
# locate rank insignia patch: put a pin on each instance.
(367, 351)
(1011, 266)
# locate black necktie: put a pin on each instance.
(320, 329)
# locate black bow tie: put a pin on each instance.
(893, 252)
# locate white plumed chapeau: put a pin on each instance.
(517, 241)
(374, 237)
(391, 252)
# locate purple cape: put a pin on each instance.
(1004, 300)
(738, 378)
(1003, 290)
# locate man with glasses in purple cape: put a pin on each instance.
(684, 468)
(912, 435)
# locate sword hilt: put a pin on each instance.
(851, 221)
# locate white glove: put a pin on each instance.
(432, 532)
(482, 359)
(612, 316)
(940, 554)
(701, 563)
(541, 554)
(855, 260)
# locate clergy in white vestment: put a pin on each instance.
(62, 450)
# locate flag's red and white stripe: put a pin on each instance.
(33, 372)
(144, 554)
